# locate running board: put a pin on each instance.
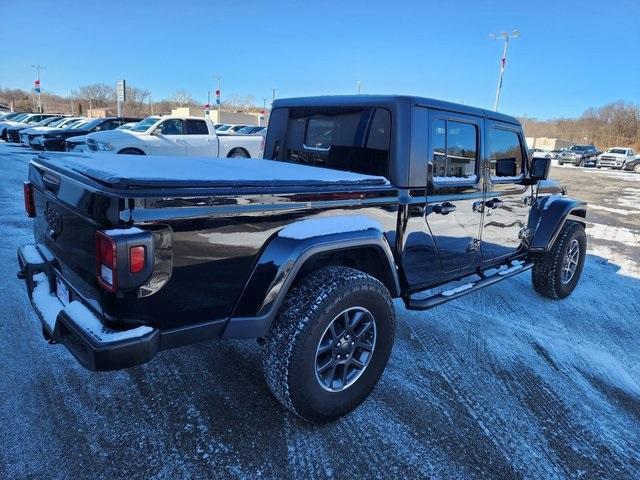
(501, 273)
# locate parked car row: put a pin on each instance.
(620, 158)
(231, 129)
(21, 119)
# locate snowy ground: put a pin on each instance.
(500, 384)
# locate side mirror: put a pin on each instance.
(539, 169)
(157, 132)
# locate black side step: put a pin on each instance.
(503, 272)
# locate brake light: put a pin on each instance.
(29, 202)
(137, 256)
(106, 261)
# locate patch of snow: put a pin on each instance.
(315, 227)
(617, 211)
(46, 302)
(461, 288)
(614, 234)
(114, 232)
(31, 254)
(87, 321)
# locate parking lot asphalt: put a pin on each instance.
(499, 384)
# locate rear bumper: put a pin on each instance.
(94, 344)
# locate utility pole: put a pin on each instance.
(273, 96)
(506, 36)
(359, 87)
(37, 85)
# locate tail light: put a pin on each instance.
(137, 257)
(29, 202)
(106, 261)
(124, 258)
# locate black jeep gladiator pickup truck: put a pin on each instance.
(363, 199)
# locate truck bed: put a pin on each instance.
(133, 171)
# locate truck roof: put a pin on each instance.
(392, 103)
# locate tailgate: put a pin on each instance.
(67, 215)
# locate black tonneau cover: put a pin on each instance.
(139, 171)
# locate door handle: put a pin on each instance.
(495, 203)
(444, 208)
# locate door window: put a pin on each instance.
(505, 154)
(197, 127)
(172, 127)
(455, 151)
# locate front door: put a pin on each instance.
(168, 138)
(454, 189)
(505, 205)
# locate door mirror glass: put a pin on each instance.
(539, 168)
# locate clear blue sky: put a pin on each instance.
(571, 55)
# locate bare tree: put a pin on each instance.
(181, 98)
(97, 95)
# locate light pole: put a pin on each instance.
(38, 68)
(273, 96)
(506, 36)
(359, 87)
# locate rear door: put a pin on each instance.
(454, 189)
(169, 138)
(505, 207)
(198, 141)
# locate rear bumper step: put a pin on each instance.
(95, 345)
(484, 280)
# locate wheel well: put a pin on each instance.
(370, 260)
(238, 149)
(131, 148)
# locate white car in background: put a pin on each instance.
(616, 157)
(175, 135)
(36, 138)
(33, 131)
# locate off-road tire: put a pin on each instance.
(289, 355)
(547, 268)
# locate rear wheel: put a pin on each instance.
(238, 153)
(556, 273)
(636, 168)
(330, 343)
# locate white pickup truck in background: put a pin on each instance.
(175, 135)
(616, 157)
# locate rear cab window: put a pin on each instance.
(197, 127)
(354, 139)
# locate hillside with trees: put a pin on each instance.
(614, 124)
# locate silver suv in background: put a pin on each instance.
(579, 155)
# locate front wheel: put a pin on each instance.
(131, 151)
(330, 343)
(555, 274)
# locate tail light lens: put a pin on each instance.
(106, 261)
(137, 256)
(29, 202)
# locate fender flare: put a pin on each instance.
(549, 216)
(277, 267)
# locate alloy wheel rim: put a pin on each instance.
(570, 263)
(345, 349)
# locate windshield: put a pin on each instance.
(224, 128)
(76, 124)
(17, 118)
(246, 130)
(578, 148)
(144, 125)
(617, 150)
(57, 122)
(47, 121)
(89, 124)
